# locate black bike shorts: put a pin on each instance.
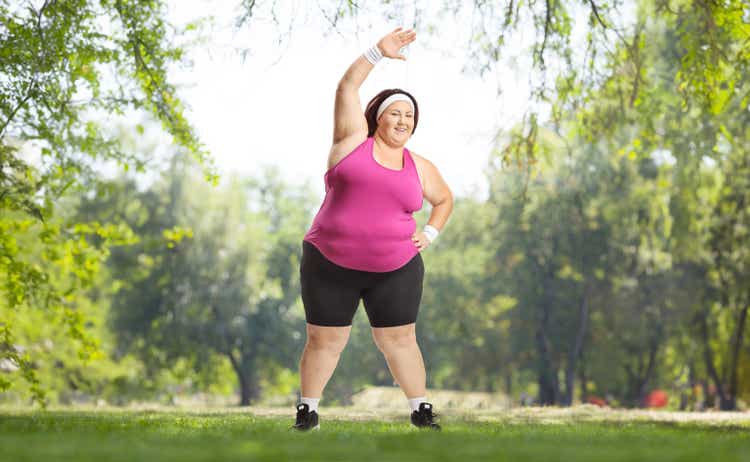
(331, 293)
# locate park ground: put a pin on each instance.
(582, 433)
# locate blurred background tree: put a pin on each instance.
(610, 259)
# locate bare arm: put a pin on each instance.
(348, 116)
(438, 194)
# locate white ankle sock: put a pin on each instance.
(414, 402)
(312, 402)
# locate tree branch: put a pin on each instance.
(547, 23)
(595, 10)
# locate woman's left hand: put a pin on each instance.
(420, 240)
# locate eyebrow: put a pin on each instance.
(399, 110)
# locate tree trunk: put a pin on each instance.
(547, 373)
(247, 377)
(708, 357)
(583, 381)
(575, 352)
(737, 340)
(508, 382)
(249, 390)
(640, 376)
(549, 387)
(646, 378)
(728, 403)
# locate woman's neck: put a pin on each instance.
(386, 148)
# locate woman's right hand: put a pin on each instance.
(391, 44)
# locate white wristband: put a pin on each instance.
(373, 54)
(431, 232)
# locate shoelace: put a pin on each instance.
(428, 415)
(301, 415)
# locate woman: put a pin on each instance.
(362, 242)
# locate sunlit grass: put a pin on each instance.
(579, 434)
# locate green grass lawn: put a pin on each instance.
(179, 435)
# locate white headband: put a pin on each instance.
(392, 99)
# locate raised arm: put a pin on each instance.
(348, 116)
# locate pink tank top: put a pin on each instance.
(365, 222)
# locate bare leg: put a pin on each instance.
(320, 357)
(404, 358)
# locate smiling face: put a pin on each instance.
(396, 123)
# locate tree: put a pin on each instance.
(225, 285)
(55, 60)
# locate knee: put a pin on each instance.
(329, 342)
(386, 343)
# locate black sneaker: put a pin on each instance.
(306, 419)
(423, 418)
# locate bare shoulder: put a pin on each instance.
(424, 167)
(434, 187)
(421, 161)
